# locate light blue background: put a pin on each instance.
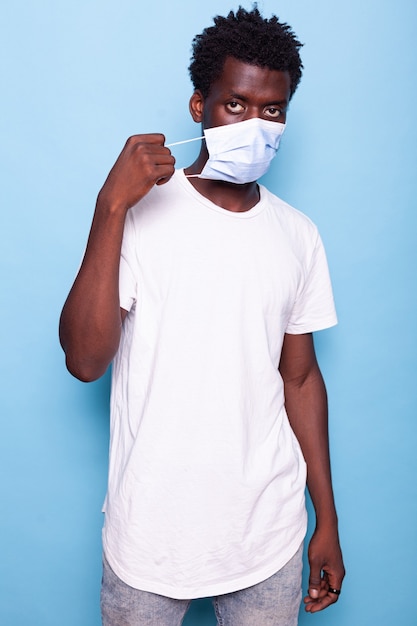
(77, 79)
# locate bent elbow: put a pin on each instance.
(85, 372)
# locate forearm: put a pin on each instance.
(306, 404)
(90, 322)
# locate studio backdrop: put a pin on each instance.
(78, 78)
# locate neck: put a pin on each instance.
(229, 196)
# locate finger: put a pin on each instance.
(315, 581)
(319, 594)
(312, 606)
(157, 166)
(163, 179)
(155, 156)
(334, 578)
(163, 157)
(154, 138)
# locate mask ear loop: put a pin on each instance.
(178, 143)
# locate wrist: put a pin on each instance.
(106, 205)
(327, 521)
(326, 515)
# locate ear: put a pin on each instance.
(197, 106)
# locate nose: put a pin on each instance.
(252, 112)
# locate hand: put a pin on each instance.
(326, 570)
(143, 163)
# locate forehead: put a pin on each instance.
(243, 78)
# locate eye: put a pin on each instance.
(273, 112)
(234, 107)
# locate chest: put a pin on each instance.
(233, 264)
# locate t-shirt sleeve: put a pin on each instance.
(314, 307)
(127, 275)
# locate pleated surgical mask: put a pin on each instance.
(242, 152)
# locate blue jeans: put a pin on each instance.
(273, 602)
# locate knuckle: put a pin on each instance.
(132, 140)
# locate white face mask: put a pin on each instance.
(241, 152)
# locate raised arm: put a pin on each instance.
(306, 405)
(91, 319)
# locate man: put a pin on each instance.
(203, 289)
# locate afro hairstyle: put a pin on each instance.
(247, 37)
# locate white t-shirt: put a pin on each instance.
(206, 478)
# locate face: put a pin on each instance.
(243, 91)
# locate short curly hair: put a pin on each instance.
(248, 37)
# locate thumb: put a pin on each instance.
(314, 582)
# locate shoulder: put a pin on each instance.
(293, 221)
(158, 202)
